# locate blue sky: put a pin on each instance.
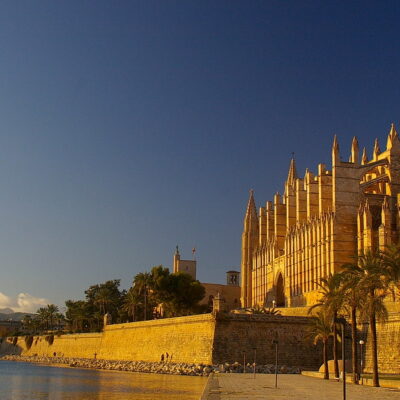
(129, 127)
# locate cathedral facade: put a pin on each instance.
(321, 222)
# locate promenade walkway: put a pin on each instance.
(290, 387)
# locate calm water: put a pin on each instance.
(24, 381)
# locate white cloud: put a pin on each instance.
(23, 302)
(5, 301)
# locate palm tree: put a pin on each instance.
(373, 287)
(103, 298)
(77, 313)
(52, 311)
(130, 303)
(321, 330)
(27, 322)
(351, 276)
(142, 283)
(391, 261)
(43, 316)
(331, 301)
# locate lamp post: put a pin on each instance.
(254, 363)
(275, 342)
(342, 322)
(361, 359)
(244, 362)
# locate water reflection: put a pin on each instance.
(23, 381)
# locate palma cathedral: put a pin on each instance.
(321, 222)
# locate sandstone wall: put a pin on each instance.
(206, 339)
(80, 345)
(187, 339)
(388, 346)
(242, 333)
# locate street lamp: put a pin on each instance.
(361, 359)
(275, 342)
(342, 322)
(254, 364)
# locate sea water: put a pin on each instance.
(25, 381)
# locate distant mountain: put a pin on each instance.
(6, 311)
(15, 316)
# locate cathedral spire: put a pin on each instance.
(364, 158)
(393, 138)
(292, 174)
(335, 151)
(354, 150)
(251, 212)
(377, 150)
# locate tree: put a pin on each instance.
(105, 297)
(43, 317)
(351, 276)
(331, 301)
(185, 294)
(176, 294)
(141, 285)
(130, 303)
(373, 287)
(52, 311)
(391, 262)
(27, 322)
(78, 314)
(321, 331)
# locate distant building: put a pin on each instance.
(229, 293)
(186, 266)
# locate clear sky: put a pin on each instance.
(129, 127)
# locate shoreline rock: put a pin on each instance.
(153, 367)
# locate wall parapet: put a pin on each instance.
(190, 319)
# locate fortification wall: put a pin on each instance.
(212, 340)
(186, 339)
(80, 345)
(388, 346)
(242, 333)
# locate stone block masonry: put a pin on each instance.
(254, 335)
(206, 338)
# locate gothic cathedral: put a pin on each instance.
(320, 223)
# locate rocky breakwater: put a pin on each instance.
(154, 367)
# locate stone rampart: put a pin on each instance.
(388, 345)
(186, 339)
(239, 333)
(202, 338)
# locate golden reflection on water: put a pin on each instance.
(50, 383)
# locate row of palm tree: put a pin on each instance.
(46, 318)
(357, 291)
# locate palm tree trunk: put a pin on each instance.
(145, 304)
(375, 374)
(354, 344)
(335, 347)
(325, 355)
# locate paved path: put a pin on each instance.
(245, 387)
